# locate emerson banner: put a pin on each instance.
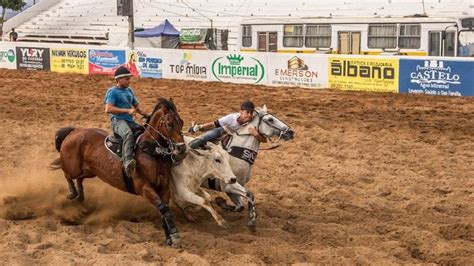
(69, 61)
(437, 77)
(306, 71)
(363, 74)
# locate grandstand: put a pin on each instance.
(96, 21)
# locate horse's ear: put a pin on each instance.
(171, 100)
(264, 108)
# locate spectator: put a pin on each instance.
(13, 35)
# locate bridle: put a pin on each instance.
(282, 131)
(172, 146)
(275, 143)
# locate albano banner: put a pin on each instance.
(437, 77)
(363, 74)
(65, 60)
(32, 58)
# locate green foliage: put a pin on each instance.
(14, 5)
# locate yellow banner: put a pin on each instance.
(69, 61)
(364, 74)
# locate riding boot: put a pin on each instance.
(130, 166)
(196, 143)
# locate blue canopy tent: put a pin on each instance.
(164, 35)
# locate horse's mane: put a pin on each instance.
(167, 104)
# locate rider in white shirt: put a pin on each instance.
(232, 121)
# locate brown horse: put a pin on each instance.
(83, 155)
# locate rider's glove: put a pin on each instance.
(195, 128)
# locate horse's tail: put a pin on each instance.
(61, 134)
(55, 165)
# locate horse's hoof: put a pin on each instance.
(173, 240)
(252, 224)
(72, 196)
(224, 225)
(80, 199)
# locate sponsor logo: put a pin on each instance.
(69, 53)
(249, 156)
(297, 73)
(434, 74)
(32, 52)
(7, 56)
(238, 67)
(102, 56)
(189, 69)
(149, 66)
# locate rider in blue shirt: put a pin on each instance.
(121, 103)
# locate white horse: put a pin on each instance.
(243, 149)
(199, 166)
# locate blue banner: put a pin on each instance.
(150, 64)
(437, 77)
(105, 61)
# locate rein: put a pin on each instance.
(165, 151)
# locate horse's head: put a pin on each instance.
(271, 126)
(166, 126)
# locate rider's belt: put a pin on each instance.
(243, 154)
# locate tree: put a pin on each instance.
(14, 5)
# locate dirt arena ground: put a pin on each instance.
(370, 179)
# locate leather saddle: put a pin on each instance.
(113, 142)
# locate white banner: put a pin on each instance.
(248, 68)
(7, 56)
(186, 64)
(307, 71)
(147, 62)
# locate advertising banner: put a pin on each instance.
(150, 63)
(105, 61)
(437, 77)
(297, 70)
(364, 74)
(65, 60)
(246, 68)
(188, 65)
(32, 58)
(7, 57)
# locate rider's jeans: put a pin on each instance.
(121, 128)
(212, 134)
(207, 136)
